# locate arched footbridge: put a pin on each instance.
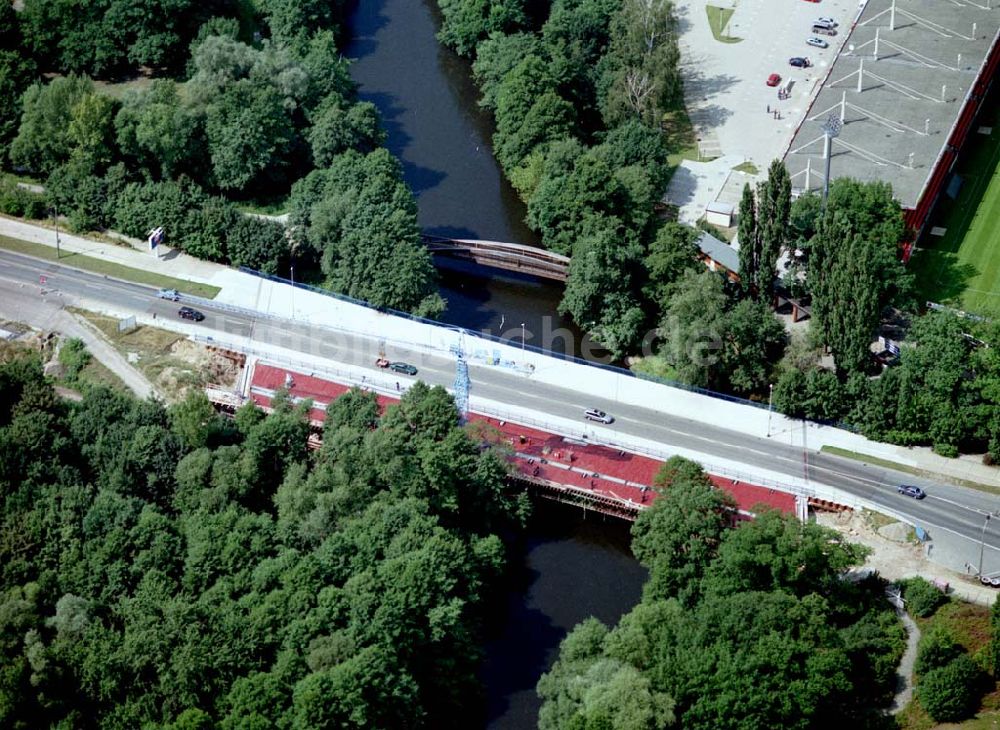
(509, 256)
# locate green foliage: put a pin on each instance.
(763, 230)
(248, 133)
(156, 130)
(466, 22)
(854, 268)
(765, 632)
(936, 649)
(599, 292)
(150, 576)
(16, 201)
(43, 139)
(359, 216)
(679, 535)
(995, 637)
(951, 693)
(921, 597)
(17, 71)
(258, 244)
(73, 356)
(671, 253)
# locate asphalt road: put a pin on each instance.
(957, 510)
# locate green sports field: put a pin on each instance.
(962, 267)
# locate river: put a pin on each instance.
(568, 566)
(427, 100)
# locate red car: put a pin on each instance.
(773, 80)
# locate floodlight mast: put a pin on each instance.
(831, 129)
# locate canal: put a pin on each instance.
(568, 565)
(429, 108)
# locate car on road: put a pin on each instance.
(595, 414)
(193, 314)
(402, 367)
(799, 62)
(817, 42)
(171, 294)
(773, 80)
(812, 1)
(828, 22)
(911, 491)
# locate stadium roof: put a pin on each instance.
(919, 61)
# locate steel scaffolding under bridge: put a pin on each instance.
(509, 256)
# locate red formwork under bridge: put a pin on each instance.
(603, 479)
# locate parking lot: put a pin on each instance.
(725, 83)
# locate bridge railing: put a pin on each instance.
(531, 348)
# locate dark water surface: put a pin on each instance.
(570, 566)
(574, 565)
(428, 104)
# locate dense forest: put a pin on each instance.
(163, 567)
(224, 102)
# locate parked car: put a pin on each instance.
(911, 491)
(829, 22)
(594, 414)
(823, 30)
(402, 367)
(193, 314)
(812, 1)
(773, 80)
(799, 62)
(817, 42)
(992, 581)
(171, 294)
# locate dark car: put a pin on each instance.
(911, 491)
(403, 367)
(799, 62)
(193, 314)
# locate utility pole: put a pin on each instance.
(522, 336)
(982, 544)
(55, 224)
(770, 407)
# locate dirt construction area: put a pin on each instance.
(896, 554)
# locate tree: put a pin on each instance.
(693, 327)
(763, 230)
(496, 57)
(599, 294)
(774, 198)
(466, 22)
(673, 252)
(854, 268)
(258, 244)
(339, 125)
(680, 534)
(156, 129)
(17, 71)
(951, 693)
(936, 649)
(194, 420)
(43, 139)
(249, 133)
(753, 338)
(749, 238)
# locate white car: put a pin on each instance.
(828, 22)
(593, 414)
(817, 42)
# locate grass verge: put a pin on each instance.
(886, 463)
(969, 625)
(718, 19)
(167, 359)
(108, 268)
(748, 167)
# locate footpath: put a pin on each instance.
(281, 300)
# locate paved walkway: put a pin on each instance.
(23, 304)
(904, 672)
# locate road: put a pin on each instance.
(955, 510)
